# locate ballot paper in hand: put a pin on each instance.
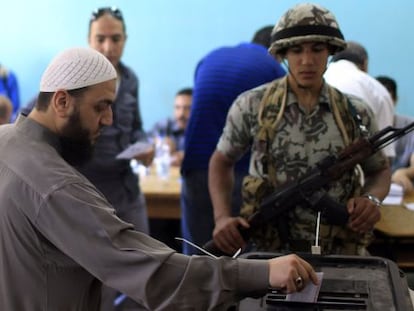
(309, 293)
(134, 150)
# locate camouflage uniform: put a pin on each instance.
(286, 141)
(300, 140)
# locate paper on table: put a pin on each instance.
(395, 195)
(410, 206)
(392, 200)
(309, 293)
(134, 150)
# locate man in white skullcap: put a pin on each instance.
(60, 238)
(114, 177)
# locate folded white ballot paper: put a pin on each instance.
(134, 150)
(309, 293)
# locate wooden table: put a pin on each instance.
(395, 230)
(163, 201)
(396, 221)
(162, 195)
(395, 233)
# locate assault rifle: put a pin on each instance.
(312, 187)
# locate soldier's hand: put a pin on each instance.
(226, 234)
(290, 273)
(363, 214)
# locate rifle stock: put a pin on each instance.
(311, 188)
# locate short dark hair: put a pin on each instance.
(185, 91)
(113, 11)
(263, 36)
(390, 85)
(354, 52)
(44, 98)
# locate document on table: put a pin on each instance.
(409, 206)
(395, 196)
(134, 150)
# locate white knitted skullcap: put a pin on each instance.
(76, 68)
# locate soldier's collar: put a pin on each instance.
(323, 97)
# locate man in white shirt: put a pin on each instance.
(403, 163)
(348, 73)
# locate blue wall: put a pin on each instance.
(166, 38)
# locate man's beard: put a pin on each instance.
(182, 122)
(77, 149)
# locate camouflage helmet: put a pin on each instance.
(303, 23)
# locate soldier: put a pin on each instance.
(290, 124)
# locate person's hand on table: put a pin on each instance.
(400, 177)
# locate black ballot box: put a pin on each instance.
(349, 283)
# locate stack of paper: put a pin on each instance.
(395, 196)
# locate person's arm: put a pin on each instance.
(364, 212)
(14, 92)
(82, 225)
(220, 182)
(138, 132)
(385, 118)
(177, 158)
(234, 142)
(404, 176)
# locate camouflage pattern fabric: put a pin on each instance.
(299, 140)
(303, 23)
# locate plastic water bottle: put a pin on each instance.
(138, 168)
(162, 158)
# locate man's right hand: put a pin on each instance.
(226, 234)
(146, 157)
(290, 273)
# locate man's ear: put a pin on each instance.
(61, 103)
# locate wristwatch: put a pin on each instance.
(373, 199)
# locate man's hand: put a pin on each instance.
(226, 234)
(401, 177)
(363, 214)
(146, 157)
(177, 158)
(290, 273)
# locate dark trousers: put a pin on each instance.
(197, 219)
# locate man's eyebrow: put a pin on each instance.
(106, 102)
(115, 35)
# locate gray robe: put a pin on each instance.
(60, 238)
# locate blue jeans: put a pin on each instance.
(197, 218)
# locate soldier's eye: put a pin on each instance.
(296, 49)
(319, 47)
